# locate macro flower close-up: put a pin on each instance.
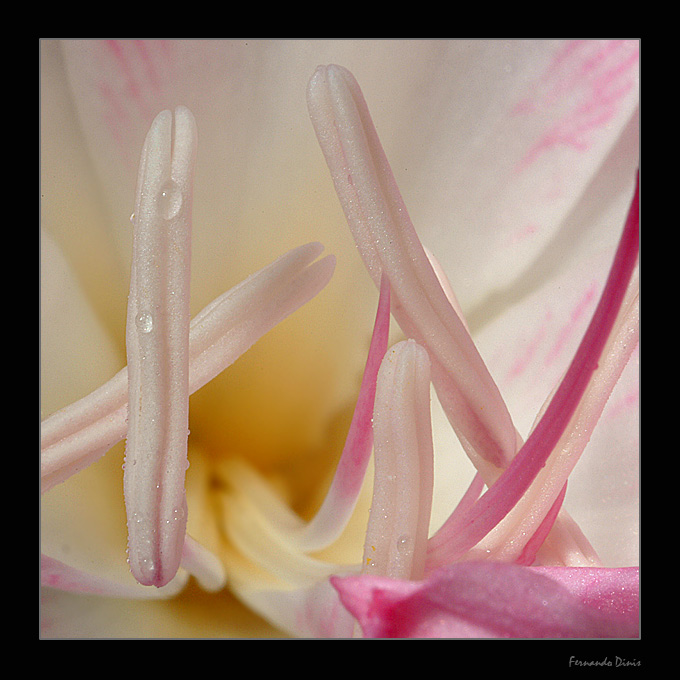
(339, 338)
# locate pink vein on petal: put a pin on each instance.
(578, 311)
(133, 80)
(529, 352)
(591, 80)
(128, 57)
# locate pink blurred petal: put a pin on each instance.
(57, 574)
(493, 600)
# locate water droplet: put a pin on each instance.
(170, 200)
(403, 543)
(148, 566)
(144, 322)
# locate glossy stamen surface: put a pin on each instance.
(157, 342)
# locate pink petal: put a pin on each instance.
(611, 591)
(493, 600)
(56, 574)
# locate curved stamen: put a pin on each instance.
(389, 244)
(248, 526)
(79, 434)
(561, 433)
(158, 350)
(338, 505)
(205, 567)
(341, 498)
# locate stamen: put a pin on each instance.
(515, 507)
(203, 565)
(158, 351)
(341, 498)
(232, 323)
(389, 244)
(399, 519)
(79, 434)
(249, 529)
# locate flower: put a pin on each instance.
(520, 518)
(280, 578)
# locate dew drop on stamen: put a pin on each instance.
(148, 566)
(403, 543)
(169, 200)
(144, 322)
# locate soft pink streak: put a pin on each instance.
(122, 59)
(595, 78)
(625, 404)
(349, 475)
(133, 82)
(577, 313)
(57, 574)
(526, 357)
